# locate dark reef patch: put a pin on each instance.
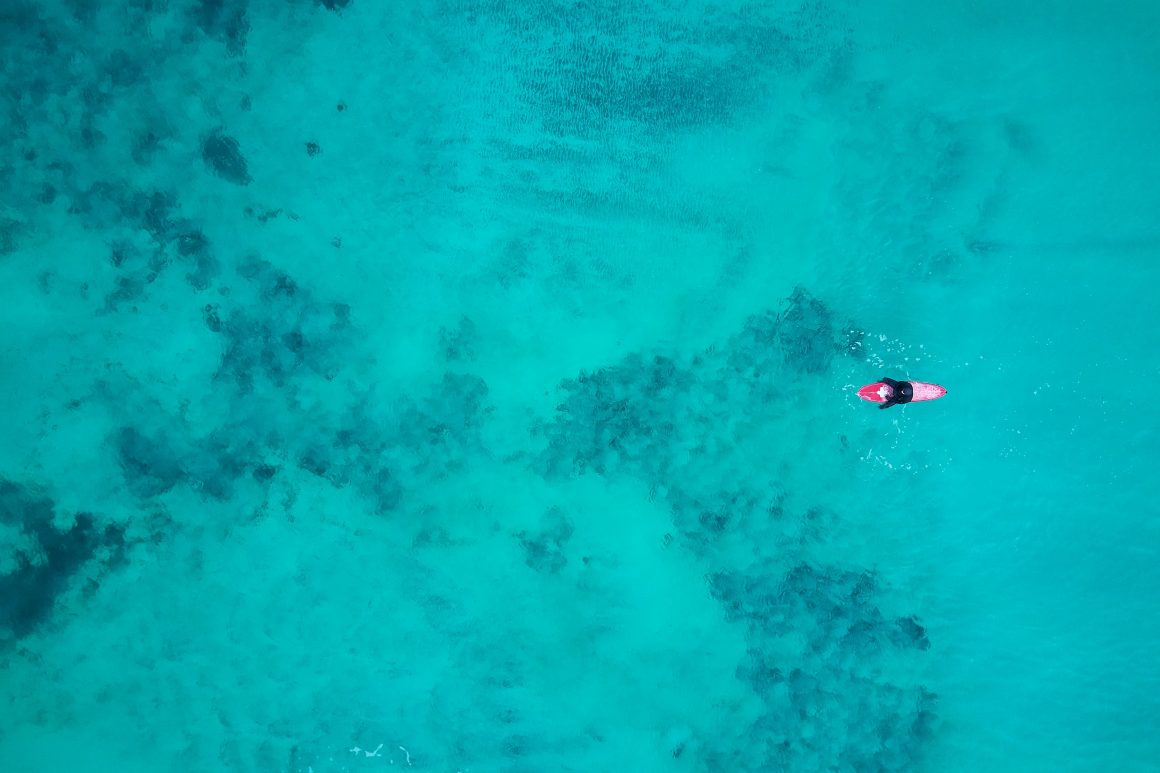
(149, 465)
(124, 69)
(910, 633)
(126, 290)
(687, 430)
(83, 10)
(883, 725)
(706, 517)
(805, 335)
(633, 415)
(287, 335)
(223, 155)
(11, 232)
(459, 343)
(618, 416)
(446, 422)
(544, 549)
(42, 565)
(223, 20)
(274, 355)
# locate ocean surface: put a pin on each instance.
(469, 386)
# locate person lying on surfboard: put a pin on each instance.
(900, 392)
(888, 392)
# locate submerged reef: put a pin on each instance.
(288, 335)
(544, 549)
(223, 155)
(85, 111)
(39, 565)
(224, 20)
(827, 703)
(617, 417)
(149, 465)
(638, 415)
(276, 354)
(820, 649)
(806, 336)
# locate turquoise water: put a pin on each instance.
(468, 385)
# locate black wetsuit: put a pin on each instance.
(901, 392)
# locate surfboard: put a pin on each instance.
(878, 392)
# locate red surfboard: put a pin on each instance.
(878, 392)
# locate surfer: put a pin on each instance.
(900, 392)
(888, 392)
